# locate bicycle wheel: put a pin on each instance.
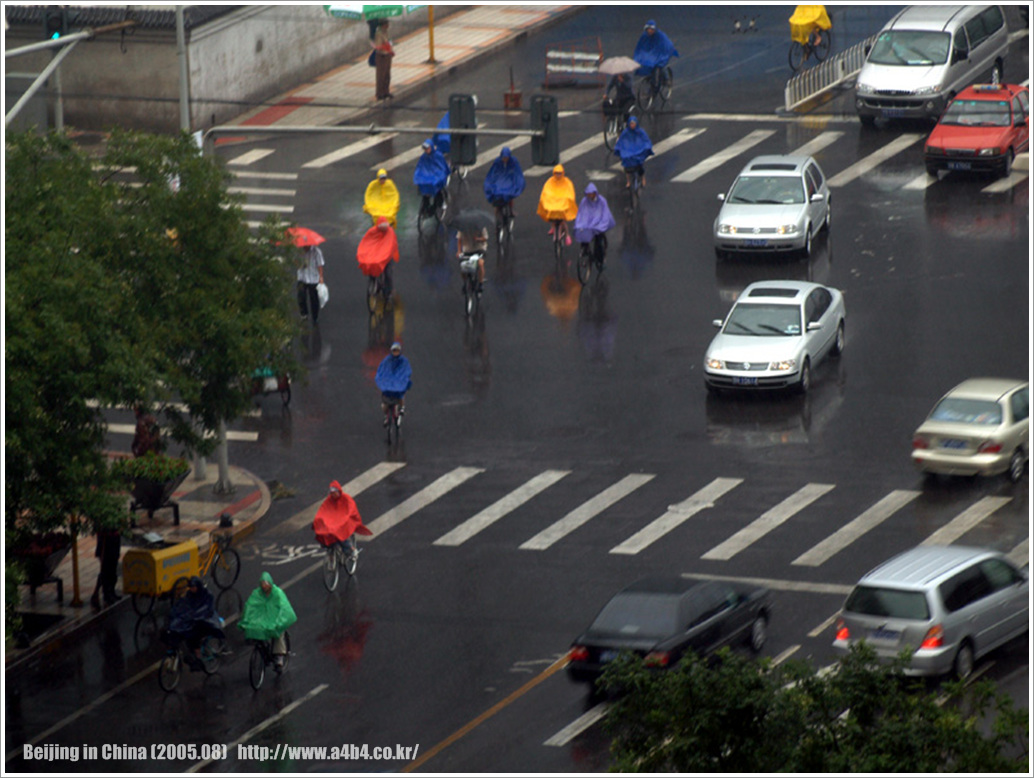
(821, 49)
(285, 394)
(442, 207)
(372, 293)
(169, 671)
(226, 568)
(352, 561)
(633, 192)
(796, 56)
(257, 668)
(558, 242)
(330, 571)
(611, 131)
(287, 656)
(645, 95)
(211, 651)
(143, 604)
(470, 298)
(584, 264)
(666, 84)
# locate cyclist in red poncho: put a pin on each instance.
(338, 519)
(377, 249)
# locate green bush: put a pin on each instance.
(151, 466)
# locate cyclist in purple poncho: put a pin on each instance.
(592, 222)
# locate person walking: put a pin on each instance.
(109, 549)
(147, 436)
(310, 275)
(383, 54)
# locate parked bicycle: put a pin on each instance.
(811, 33)
(262, 657)
(339, 558)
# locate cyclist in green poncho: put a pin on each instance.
(267, 615)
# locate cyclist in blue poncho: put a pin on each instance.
(633, 147)
(652, 52)
(504, 181)
(431, 176)
(394, 377)
(443, 141)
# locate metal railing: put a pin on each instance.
(826, 75)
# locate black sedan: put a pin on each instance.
(661, 618)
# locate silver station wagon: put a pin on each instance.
(778, 203)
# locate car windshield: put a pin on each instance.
(881, 601)
(767, 319)
(978, 113)
(964, 411)
(910, 47)
(767, 190)
(638, 615)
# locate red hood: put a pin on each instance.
(955, 137)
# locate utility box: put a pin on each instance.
(545, 150)
(154, 571)
(463, 116)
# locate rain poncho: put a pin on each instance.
(194, 609)
(593, 217)
(377, 248)
(394, 376)
(805, 19)
(505, 179)
(337, 518)
(557, 200)
(382, 198)
(432, 172)
(267, 616)
(634, 145)
(443, 141)
(653, 50)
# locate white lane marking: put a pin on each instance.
(1005, 184)
(670, 143)
(400, 159)
(854, 529)
(257, 190)
(267, 208)
(824, 625)
(776, 583)
(357, 485)
(578, 726)
(920, 182)
(586, 511)
(600, 175)
(676, 515)
(758, 118)
(500, 508)
(130, 429)
(268, 176)
(566, 156)
(768, 521)
(705, 166)
(424, 497)
(865, 164)
(350, 150)
(965, 521)
(817, 144)
(778, 660)
(1020, 555)
(488, 156)
(251, 157)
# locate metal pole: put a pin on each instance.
(430, 36)
(59, 101)
(181, 53)
(371, 129)
(40, 80)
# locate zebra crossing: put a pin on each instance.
(801, 505)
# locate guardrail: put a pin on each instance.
(826, 75)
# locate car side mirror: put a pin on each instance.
(817, 197)
(717, 323)
(721, 197)
(814, 325)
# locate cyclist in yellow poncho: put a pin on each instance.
(382, 198)
(557, 201)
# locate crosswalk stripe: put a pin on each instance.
(705, 166)
(500, 508)
(817, 144)
(399, 159)
(267, 208)
(488, 156)
(578, 726)
(670, 143)
(266, 176)
(965, 521)
(586, 511)
(676, 515)
(259, 191)
(881, 154)
(251, 157)
(768, 521)
(424, 497)
(854, 529)
(1007, 183)
(350, 150)
(920, 182)
(568, 155)
(130, 429)
(1020, 555)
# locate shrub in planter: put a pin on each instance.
(154, 477)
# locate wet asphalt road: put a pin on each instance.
(598, 384)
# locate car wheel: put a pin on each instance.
(806, 250)
(931, 170)
(1017, 464)
(866, 120)
(1010, 155)
(758, 633)
(838, 341)
(829, 215)
(962, 667)
(805, 383)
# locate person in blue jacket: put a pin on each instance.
(504, 182)
(633, 147)
(394, 378)
(431, 175)
(653, 52)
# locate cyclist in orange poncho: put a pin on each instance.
(379, 246)
(338, 519)
(382, 198)
(557, 201)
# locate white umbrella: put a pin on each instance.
(614, 65)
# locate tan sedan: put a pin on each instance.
(981, 427)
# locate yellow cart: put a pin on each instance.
(148, 574)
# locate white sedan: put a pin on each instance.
(775, 334)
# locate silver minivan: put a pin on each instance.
(925, 55)
(949, 604)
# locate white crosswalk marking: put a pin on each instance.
(350, 150)
(500, 508)
(1007, 183)
(854, 529)
(705, 166)
(259, 191)
(586, 511)
(817, 144)
(676, 515)
(578, 726)
(670, 143)
(357, 485)
(488, 156)
(882, 154)
(251, 157)
(965, 521)
(267, 208)
(241, 435)
(265, 176)
(768, 521)
(920, 182)
(424, 497)
(1020, 555)
(399, 159)
(568, 155)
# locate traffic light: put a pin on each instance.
(462, 116)
(55, 21)
(545, 150)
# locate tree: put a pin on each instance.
(734, 714)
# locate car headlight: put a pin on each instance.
(726, 229)
(864, 89)
(784, 365)
(925, 90)
(715, 364)
(934, 150)
(989, 152)
(787, 229)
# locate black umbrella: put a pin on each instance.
(472, 221)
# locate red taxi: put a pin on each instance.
(982, 129)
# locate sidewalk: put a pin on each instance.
(200, 509)
(346, 94)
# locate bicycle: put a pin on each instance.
(504, 221)
(469, 264)
(336, 560)
(592, 254)
(222, 561)
(657, 84)
(818, 44)
(262, 656)
(392, 417)
(171, 668)
(634, 187)
(614, 121)
(379, 288)
(559, 231)
(433, 207)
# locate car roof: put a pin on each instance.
(986, 388)
(775, 165)
(990, 92)
(921, 566)
(786, 292)
(662, 584)
(927, 17)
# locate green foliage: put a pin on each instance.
(733, 714)
(153, 467)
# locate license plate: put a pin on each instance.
(892, 113)
(884, 635)
(951, 443)
(608, 656)
(960, 165)
(756, 242)
(751, 381)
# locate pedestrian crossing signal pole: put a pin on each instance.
(545, 148)
(463, 116)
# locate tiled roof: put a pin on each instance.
(148, 17)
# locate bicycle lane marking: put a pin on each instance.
(705, 166)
